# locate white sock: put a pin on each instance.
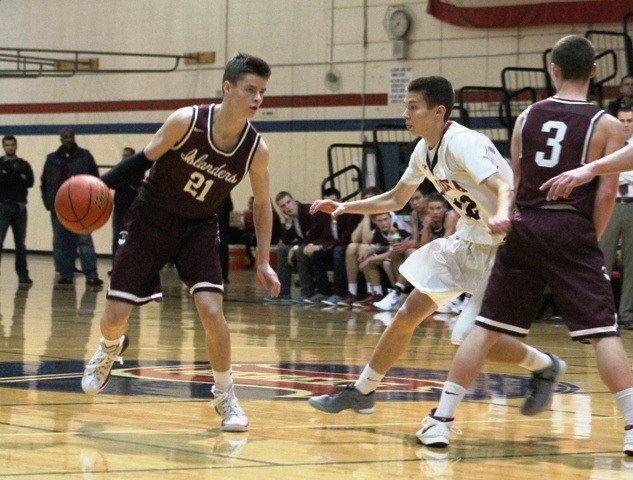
(399, 287)
(378, 290)
(535, 360)
(452, 395)
(223, 380)
(368, 380)
(352, 288)
(110, 345)
(624, 400)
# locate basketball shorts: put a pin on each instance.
(150, 239)
(559, 249)
(445, 268)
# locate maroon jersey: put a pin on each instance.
(559, 131)
(193, 178)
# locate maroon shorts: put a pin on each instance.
(557, 248)
(150, 239)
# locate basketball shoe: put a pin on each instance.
(368, 301)
(347, 301)
(543, 385)
(227, 406)
(97, 371)
(348, 398)
(449, 307)
(628, 440)
(392, 301)
(435, 431)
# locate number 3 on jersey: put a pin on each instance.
(559, 130)
(198, 186)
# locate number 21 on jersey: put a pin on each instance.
(198, 186)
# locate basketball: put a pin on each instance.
(83, 204)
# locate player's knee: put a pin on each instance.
(211, 312)
(406, 319)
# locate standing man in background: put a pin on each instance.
(619, 231)
(68, 160)
(124, 195)
(16, 177)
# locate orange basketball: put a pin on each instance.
(83, 203)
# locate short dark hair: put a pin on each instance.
(624, 78)
(372, 190)
(331, 191)
(575, 57)
(436, 91)
(281, 195)
(242, 64)
(130, 149)
(436, 197)
(9, 137)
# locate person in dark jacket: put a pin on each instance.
(68, 160)
(16, 177)
(295, 223)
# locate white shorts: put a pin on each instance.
(447, 267)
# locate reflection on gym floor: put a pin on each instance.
(153, 419)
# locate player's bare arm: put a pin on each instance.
(263, 217)
(500, 222)
(170, 133)
(608, 138)
(450, 223)
(392, 200)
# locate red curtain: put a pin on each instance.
(522, 13)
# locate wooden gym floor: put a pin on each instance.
(153, 421)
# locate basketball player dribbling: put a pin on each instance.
(197, 157)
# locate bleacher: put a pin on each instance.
(491, 110)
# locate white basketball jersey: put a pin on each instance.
(464, 160)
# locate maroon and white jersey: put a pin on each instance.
(194, 177)
(560, 132)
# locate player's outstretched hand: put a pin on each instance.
(327, 206)
(268, 279)
(562, 185)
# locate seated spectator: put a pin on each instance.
(625, 100)
(326, 246)
(382, 255)
(296, 220)
(397, 295)
(248, 237)
(440, 221)
(359, 244)
(418, 204)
